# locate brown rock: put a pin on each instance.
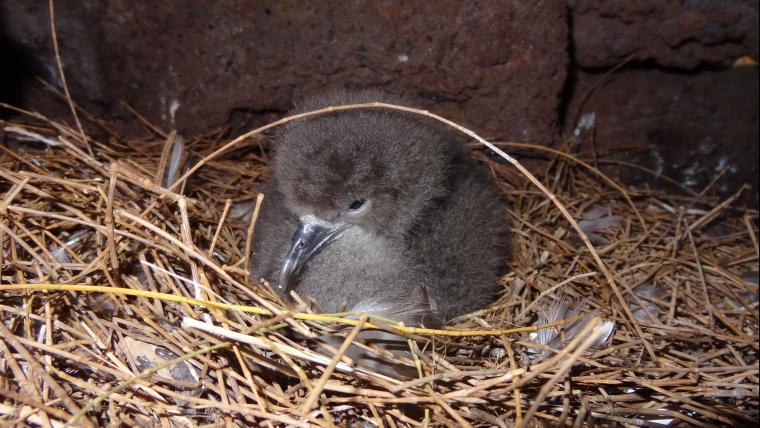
(683, 126)
(680, 34)
(497, 67)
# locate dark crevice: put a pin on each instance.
(568, 89)
(18, 69)
(242, 119)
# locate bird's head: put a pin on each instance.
(375, 169)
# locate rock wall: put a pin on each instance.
(510, 70)
(682, 100)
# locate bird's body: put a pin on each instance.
(410, 227)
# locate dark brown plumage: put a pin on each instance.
(396, 218)
(432, 227)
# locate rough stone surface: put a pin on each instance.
(500, 68)
(497, 67)
(675, 34)
(686, 127)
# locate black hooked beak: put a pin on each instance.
(311, 235)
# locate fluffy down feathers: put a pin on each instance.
(430, 243)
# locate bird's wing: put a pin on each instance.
(465, 242)
(274, 228)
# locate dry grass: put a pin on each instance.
(126, 301)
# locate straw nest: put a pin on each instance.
(125, 300)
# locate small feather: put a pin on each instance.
(551, 337)
(75, 241)
(595, 219)
(242, 210)
(641, 302)
(175, 161)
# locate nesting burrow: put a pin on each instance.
(125, 299)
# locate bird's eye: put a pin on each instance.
(355, 205)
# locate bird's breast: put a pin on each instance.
(357, 267)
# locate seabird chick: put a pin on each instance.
(380, 211)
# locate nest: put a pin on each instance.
(125, 300)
